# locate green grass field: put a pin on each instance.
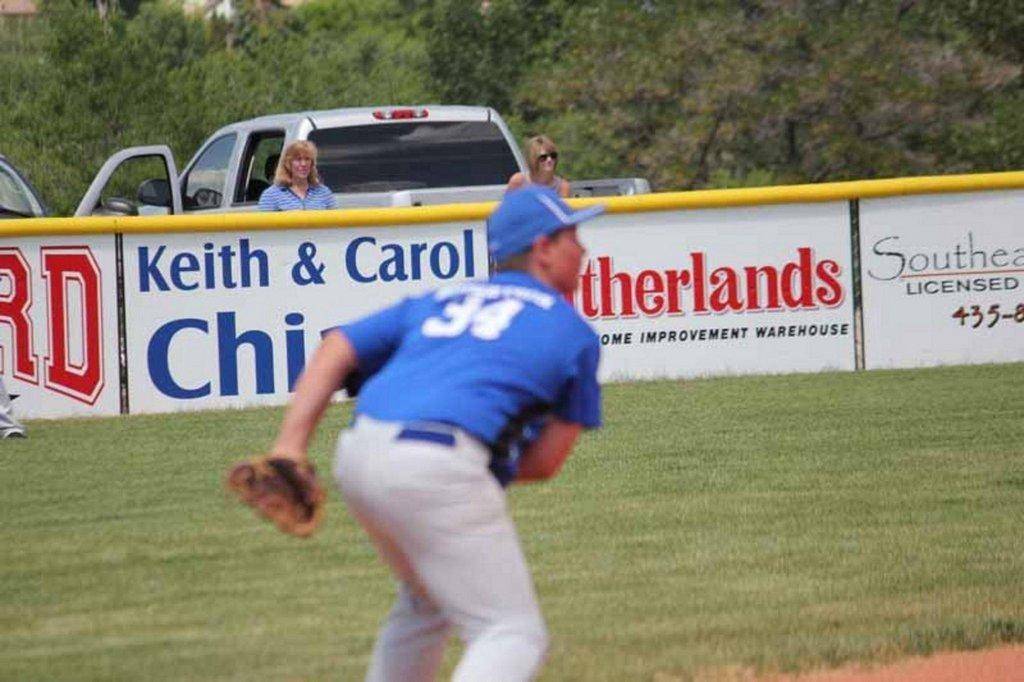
(767, 523)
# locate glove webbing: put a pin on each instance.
(297, 482)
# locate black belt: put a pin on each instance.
(439, 434)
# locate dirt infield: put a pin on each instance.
(1005, 664)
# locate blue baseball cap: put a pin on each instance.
(527, 213)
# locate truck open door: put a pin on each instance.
(134, 181)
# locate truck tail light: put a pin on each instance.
(399, 114)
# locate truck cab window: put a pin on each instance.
(416, 155)
(204, 184)
(256, 172)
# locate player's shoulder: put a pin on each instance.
(560, 319)
(579, 329)
(505, 285)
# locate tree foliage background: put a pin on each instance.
(687, 93)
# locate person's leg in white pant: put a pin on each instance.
(445, 514)
(9, 425)
(475, 570)
(411, 643)
(510, 650)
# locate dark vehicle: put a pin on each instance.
(18, 199)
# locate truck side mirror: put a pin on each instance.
(155, 192)
(117, 206)
(205, 197)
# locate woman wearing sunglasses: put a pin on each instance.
(542, 158)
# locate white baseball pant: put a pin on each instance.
(438, 517)
(8, 422)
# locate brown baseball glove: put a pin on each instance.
(282, 490)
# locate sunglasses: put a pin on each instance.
(544, 157)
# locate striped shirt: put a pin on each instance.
(278, 198)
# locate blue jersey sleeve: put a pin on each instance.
(374, 338)
(580, 401)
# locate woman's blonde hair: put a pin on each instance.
(283, 174)
(535, 146)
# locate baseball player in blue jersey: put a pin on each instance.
(447, 384)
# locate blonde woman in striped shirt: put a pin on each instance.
(297, 185)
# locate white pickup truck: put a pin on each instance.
(384, 156)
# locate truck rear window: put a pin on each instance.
(416, 155)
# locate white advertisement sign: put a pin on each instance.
(58, 325)
(720, 291)
(943, 279)
(229, 319)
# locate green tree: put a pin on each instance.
(698, 95)
(689, 93)
(479, 51)
(993, 137)
(101, 83)
(96, 84)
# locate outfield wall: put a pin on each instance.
(112, 315)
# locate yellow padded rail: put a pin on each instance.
(367, 217)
